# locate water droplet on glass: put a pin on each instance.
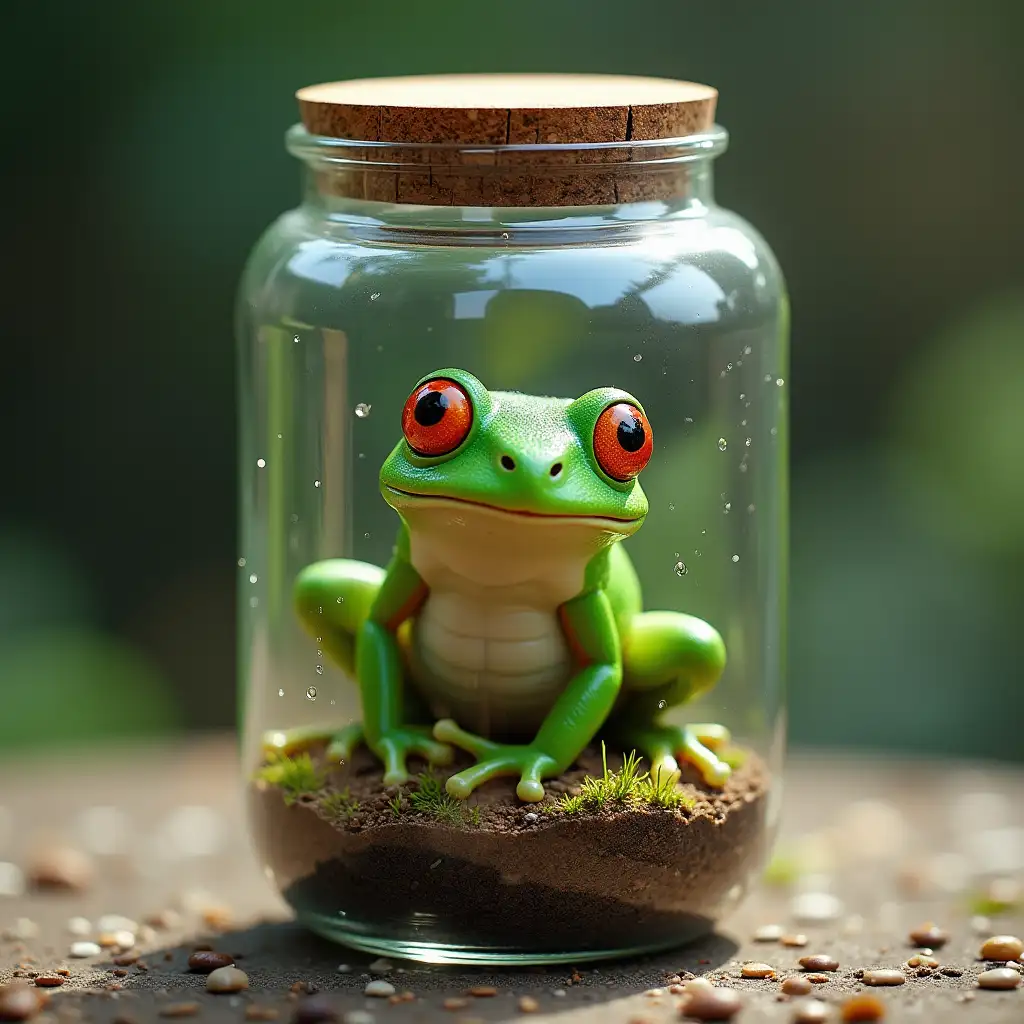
(362, 455)
(241, 562)
(780, 382)
(504, 235)
(319, 640)
(637, 358)
(375, 296)
(696, 552)
(279, 436)
(722, 444)
(366, 536)
(254, 602)
(735, 558)
(362, 410)
(751, 508)
(773, 431)
(747, 442)
(767, 378)
(319, 670)
(680, 568)
(743, 467)
(746, 351)
(742, 397)
(702, 532)
(728, 507)
(280, 693)
(253, 577)
(261, 463)
(675, 554)
(662, 705)
(316, 483)
(728, 366)
(743, 423)
(294, 517)
(341, 600)
(311, 693)
(671, 507)
(296, 339)
(687, 419)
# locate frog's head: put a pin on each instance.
(520, 454)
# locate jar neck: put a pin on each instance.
(419, 187)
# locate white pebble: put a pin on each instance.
(381, 966)
(227, 979)
(768, 933)
(79, 926)
(344, 968)
(124, 939)
(81, 950)
(816, 906)
(378, 988)
(531, 817)
(358, 1017)
(116, 923)
(23, 929)
(559, 993)
(12, 879)
(194, 831)
(981, 925)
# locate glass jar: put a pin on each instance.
(545, 722)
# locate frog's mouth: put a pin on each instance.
(411, 498)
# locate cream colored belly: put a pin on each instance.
(493, 666)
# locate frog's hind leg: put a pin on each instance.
(668, 659)
(332, 600)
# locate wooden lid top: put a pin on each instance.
(507, 109)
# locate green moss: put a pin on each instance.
(431, 798)
(983, 904)
(474, 817)
(396, 804)
(294, 776)
(340, 804)
(629, 786)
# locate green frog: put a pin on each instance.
(510, 614)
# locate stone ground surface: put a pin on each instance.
(897, 843)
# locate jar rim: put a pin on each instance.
(604, 156)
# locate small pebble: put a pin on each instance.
(819, 962)
(49, 981)
(25, 928)
(884, 976)
(815, 907)
(12, 879)
(558, 993)
(61, 867)
(711, 1004)
(227, 979)
(19, 1002)
(127, 959)
(163, 920)
(81, 950)
(79, 926)
(929, 935)
(796, 986)
(116, 923)
(454, 1003)
(818, 979)
(314, 1010)
(527, 1004)
(531, 817)
(810, 1011)
(862, 1008)
(1002, 947)
(951, 972)
(179, 1010)
(203, 961)
(381, 966)
(257, 1012)
(999, 977)
(922, 961)
(981, 925)
(794, 940)
(378, 988)
(756, 970)
(358, 1017)
(344, 968)
(768, 933)
(482, 991)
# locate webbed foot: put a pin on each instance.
(494, 759)
(666, 745)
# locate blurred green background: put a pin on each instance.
(876, 144)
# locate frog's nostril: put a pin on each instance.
(556, 469)
(507, 462)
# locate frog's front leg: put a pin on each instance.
(668, 659)
(574, 719)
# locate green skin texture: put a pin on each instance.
(629, 665)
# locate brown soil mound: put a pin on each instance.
(511, 875)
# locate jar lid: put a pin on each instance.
(506, 140)
(508, 109)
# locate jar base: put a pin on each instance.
(349, 933)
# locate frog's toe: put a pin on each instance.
(458, 788)
(717, 775)
(665, 770)
(530, 791)
(395, 777)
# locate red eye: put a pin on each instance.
(437, 417)
(623, 441)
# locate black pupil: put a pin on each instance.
(631, 433)
(430, 408)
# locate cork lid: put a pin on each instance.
(585, 127)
